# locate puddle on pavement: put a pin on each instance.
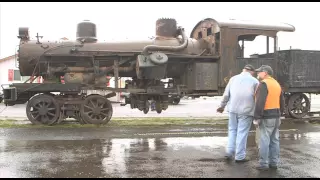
(144, 157)
(124, 151)
(96, 158)
(313, 137)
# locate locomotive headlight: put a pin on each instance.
(24, 33)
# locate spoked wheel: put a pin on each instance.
(298, 105)
(176, 101)
(43, 109)
(96, 109)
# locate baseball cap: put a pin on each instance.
(265, 68)
(249, 67)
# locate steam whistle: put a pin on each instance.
(37, 36)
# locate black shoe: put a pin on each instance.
(242, 160)
(227, 157)
(262, 168)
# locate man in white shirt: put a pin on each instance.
(239, 96)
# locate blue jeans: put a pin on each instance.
(153, 105)
(238, 130)
(269, 150)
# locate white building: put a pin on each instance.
(9, 72)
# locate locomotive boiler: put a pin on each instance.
(78, 60)
(199, 65)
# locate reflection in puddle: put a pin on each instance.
(313, 137)
(152, 145)
(6, 173)
(292, 136)
(142, 157)
(123, 151)
(196, 142)
(115, 163)
(6, 161)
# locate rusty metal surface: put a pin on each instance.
(88, 69)
(166, 27)
(86, 78)
(254, 25)
(202, 76)
(296, 68)
(47, 87)
(206, 76)
(177, 48)
(30, 53)
(228, 53)
(256, 62)
(300, 68)
(224, 40)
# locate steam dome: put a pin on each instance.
(86, 31)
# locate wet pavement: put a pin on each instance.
(171, 151)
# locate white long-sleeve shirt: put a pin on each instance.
(239, 94)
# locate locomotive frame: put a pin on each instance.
(199, 66)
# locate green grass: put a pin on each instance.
(163, 121)
(128, 122)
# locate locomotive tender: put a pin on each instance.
(199, 65)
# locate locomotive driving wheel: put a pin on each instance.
(298, 105)
(96, 109)
(43, 109)
(176, 101)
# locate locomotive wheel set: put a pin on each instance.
(49, 109)
(200, 65)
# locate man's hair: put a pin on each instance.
(249, 67)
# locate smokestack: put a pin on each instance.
(166, 27)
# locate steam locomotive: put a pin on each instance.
(199, 65)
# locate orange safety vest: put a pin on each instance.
(274, 92)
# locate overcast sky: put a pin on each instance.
(123, 20)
